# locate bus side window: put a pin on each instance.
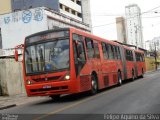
(75, 53)
(90, 47)
(111, 52)
(118, 53)
(127, 55)
(105, 54)
(131, 55)
(81, 52)
(97, 54)
(115, 52)
(143, 59)
(136, 57)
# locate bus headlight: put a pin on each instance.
(67, 77)
(29, 82)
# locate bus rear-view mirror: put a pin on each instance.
(16, 55)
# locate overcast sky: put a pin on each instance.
(104, 13)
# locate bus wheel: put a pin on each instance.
(142, 74)
(133, 76)
(119, 79)
(55, 97)
(94, 85)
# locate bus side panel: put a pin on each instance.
(123, 58)
(135, 65)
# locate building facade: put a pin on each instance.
(121, 30)
(76, 9)
(26, 15)
(153, 44)
(15, 26)
(134, 25)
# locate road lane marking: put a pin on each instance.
(78, 103)
(70, 106)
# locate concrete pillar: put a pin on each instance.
(11, 78)
(86, 12)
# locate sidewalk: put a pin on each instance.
(152, 71)
(12, 101)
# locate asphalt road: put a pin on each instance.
(138, 97)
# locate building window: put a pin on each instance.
(61, 6)
(78, 2)
(67, 9)
(73, 12)
(79, 15)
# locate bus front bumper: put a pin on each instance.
(48, 89)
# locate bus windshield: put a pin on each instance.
(47, 57)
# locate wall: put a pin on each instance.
(150, 63)
(17, 25)
(5, 6)
(0, 39)
(11, 79)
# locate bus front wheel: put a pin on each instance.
(55, 97)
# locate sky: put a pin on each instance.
(104, 12)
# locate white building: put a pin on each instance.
(134, 25)
(17, 25)
(77, 9)
(121, 29)
(151, 44)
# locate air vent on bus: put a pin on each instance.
(50, 89)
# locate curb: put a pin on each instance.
(7, 106)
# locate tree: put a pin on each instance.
(154, 50)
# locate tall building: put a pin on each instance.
(76, 9)
(134, 25)
(121, 30)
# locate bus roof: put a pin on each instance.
(47, 31)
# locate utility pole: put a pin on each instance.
(136, 35)
(155, 55)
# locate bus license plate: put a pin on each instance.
(46, 86)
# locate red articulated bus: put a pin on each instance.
(67, 61)
(140, 63)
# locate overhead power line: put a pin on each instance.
(129, 18)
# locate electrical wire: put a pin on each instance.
(127, 18)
